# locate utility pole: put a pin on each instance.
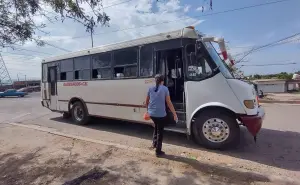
(4, 74)
(92, 39)
(25, 81)
(92, 31)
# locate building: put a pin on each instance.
(22, 84)
(277, 85)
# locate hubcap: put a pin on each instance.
(215, 130)
(78, 113)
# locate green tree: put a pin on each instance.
(257, 76)
(284, 75)
(17, 23)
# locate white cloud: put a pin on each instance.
(136, 14)
(169, 6)
(186, 8)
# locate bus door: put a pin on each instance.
(52, 71)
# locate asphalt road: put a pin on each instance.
(277, 147)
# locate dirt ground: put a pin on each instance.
(29, 156)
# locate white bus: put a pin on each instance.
(112, 81)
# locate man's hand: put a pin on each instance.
(175, 118)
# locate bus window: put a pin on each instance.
(44, 79)
(66, 70)
(126, 63)
(101, 65)
(198, 67)
(146, 61)
(82, 68)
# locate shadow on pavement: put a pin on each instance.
(273, 148)
(230, 175)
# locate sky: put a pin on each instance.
(242, 30)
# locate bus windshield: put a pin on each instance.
(219, 62)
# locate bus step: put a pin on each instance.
(178, 106)
(180, 115)
(181, 123)
(176, 129)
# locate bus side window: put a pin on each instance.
(82, 68)
(44, 77)
(66, 70)
(101, 65)
(146, 61)
(126, 63)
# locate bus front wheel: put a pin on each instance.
(79, 113)
(216, 130)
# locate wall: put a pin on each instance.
(272, 87)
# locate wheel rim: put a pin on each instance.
(216, 130)
(78, 113)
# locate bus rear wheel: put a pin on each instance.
(79, 113)
(216, 130)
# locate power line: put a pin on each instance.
(22, 62)
(66, 50)
(184, 18)
(274, 43)
(32, 51)
(117, 4)
(102, 7)
(275, 64)
(19, 54)
(26, 63)
(16, 56)
(281, 61)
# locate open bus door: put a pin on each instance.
(52, 81)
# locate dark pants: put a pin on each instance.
(158, 132)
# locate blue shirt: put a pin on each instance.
(157, 102)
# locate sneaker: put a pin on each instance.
(161, 153)
(152, 147)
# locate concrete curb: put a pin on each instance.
(278, 101)
(71, 136)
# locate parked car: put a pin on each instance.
(30, 89)
(25, 89)
(12, 92)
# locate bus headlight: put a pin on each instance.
(250, 104)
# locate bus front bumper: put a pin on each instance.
(253, 123)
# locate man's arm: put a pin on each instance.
(170, 104)
(147, 102)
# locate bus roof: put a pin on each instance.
(188, 32)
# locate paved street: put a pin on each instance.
(276, 153)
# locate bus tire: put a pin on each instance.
(66, 115)
(79, 113)
(216, 129)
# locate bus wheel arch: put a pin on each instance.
(215, 127)
(78, 110)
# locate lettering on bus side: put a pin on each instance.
(75, 83)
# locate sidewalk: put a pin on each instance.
(29, 156)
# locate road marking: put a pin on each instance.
(22, 115)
